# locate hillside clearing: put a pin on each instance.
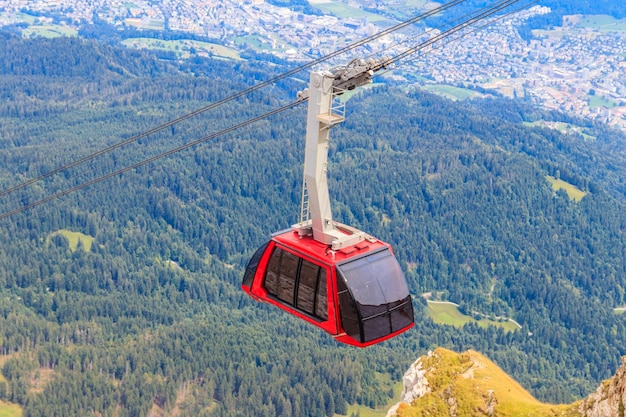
(574, 193)
(451, 92)
(345, 11)
(444, 312)
(183, 47)
(364, 411)
(10, 410)
(73, 238)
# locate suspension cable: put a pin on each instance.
(483, 15)
(464, 34)
(151, 159)
(234, 96)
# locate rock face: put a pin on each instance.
(444, 383)
(414, 385)
(609, 399)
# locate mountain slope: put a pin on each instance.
(469, 384)
(610, 397)
(152, 316)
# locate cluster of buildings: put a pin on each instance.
(581, 70)
(576, 70)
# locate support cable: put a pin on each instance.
(234, 96)
(464, 34)
(151, 159)
(403, 55)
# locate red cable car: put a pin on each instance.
(331, 275)
(357, 294)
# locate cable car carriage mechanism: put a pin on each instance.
(329, 274)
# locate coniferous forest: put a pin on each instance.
(149, 316)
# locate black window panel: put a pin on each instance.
(273, 272)
(402, 316)
(349, 316)
(370, 310)
(375, 279)
(321, 301)
(248, 276)
(297, 282)
(287, 277)
(307, 285)
(376, 327)
(376, 301)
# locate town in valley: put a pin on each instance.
(578, 68)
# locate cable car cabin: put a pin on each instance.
(328, 274)
(357, 294)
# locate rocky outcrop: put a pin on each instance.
(444, 383)
(414, 385)
(609, 399)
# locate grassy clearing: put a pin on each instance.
(563, 127)
(603, 23)
(73, 238)
(22, 17)
(597, 101)
(409, 8)
(10, 410)
(3, 359)
(48, 31)
(448, 313)
(344, 11)
(253, 42)
(182, 47)
(454, 93)
(37, 28)
(573, 192)
(364, 411)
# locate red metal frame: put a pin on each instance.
(318, 253)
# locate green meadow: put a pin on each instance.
(10, 410)
(448, 313)
(48, 31)
(344, 11)
(563, 128)
(182, 46)
(602, 22)
(454, 93)
(386, 384)
(573, 192)
(73, 238)
(597, 101)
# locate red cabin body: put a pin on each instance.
(357, 294)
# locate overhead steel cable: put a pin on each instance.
(433, 29)
(151, 159)
(474, 29)
(242, 93)
(483, 15)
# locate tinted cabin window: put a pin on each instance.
(298, 283)
(321, 303)
(374, 298)
(350, 320)
(248, 277)
(287, 277)
(307, 285)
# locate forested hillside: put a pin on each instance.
(151, 318)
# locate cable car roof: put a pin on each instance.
(321, 252)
